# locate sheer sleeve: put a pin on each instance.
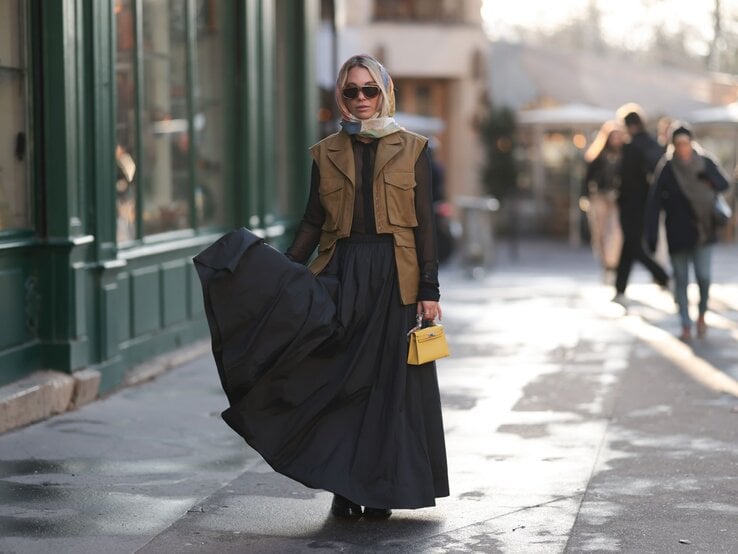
(589, 176)
(425, 232)
(308, 232)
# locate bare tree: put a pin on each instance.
(713, 56)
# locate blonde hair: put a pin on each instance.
(600, 141)
(379, 75)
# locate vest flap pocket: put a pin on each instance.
(400, 193)
(403, 180)
(327, 186)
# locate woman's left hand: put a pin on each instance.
(430, 309)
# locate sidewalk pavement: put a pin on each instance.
(573, 425)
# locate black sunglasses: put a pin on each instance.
(352, 92)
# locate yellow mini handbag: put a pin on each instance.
(426, 344)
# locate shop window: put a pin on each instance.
(445, 11)
(126, 138)
(14, 180)
(166, 132)
(170, 116)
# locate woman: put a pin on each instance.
(318, 379)
(601, 184)
(685, 186)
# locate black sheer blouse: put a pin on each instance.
(309, 230)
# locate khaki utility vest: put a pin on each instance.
(394, 199)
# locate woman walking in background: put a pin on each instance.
(315, 368)
(600, 190)
(686, 183)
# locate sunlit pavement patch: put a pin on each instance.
(682, 356)
(655, 310)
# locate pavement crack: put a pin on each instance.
(505, 514)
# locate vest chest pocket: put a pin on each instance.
(331, 193)
(400, 195)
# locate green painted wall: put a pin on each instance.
(70, 298)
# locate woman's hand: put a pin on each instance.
(430, 309)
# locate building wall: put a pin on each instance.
(452, 54)
(74, 293)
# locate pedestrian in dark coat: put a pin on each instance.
(686, 183)
(314, 359)
(640, 157)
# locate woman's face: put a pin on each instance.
(683, 147)
(361, 107)
(615, 140)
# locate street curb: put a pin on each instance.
(46, 393)
(35, 397)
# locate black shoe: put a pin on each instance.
(377, 513)
(343, 507)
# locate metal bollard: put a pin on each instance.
(478, 237)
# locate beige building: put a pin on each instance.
(436, 52)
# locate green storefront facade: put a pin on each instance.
(135, 133)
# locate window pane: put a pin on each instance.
(14, 182)
(450, 11)
(423, 99)
(166, 136)
(210, 120)
(125, 129)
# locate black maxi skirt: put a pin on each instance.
(315, 369)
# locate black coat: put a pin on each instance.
(596, 176)
(667, 195)
(640, 158)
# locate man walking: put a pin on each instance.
(640, 157)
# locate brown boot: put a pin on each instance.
(701, 326)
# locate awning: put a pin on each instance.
(568, 114)
(719, 114)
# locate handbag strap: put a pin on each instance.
(418, 325)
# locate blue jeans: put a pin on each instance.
(701, 258)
